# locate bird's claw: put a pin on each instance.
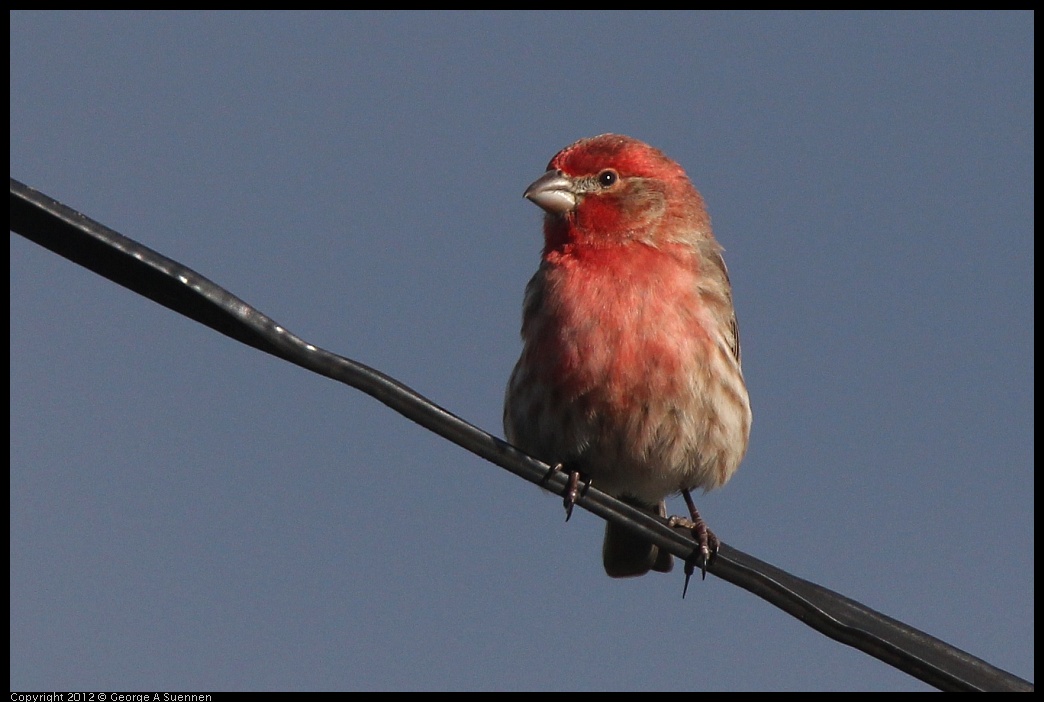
(706, 540)
(573, 490)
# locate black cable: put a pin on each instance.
(126, 262)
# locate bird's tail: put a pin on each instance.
(626, 555)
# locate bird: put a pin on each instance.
(629, 377)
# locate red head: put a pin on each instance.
(611, 189)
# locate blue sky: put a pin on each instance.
(190, 514)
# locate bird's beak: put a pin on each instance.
(553, 192)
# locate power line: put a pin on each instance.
(126, 262)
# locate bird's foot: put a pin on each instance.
(706, 540)
(573, 489)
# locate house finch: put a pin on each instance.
(630, 369)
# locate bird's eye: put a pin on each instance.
(607, 178)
